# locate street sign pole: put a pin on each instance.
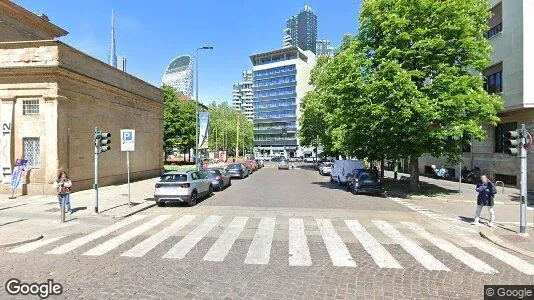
(523, 206)
(128, 165)
(128, 144)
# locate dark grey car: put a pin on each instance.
(220, 179)
(364, 181)
(237, 170)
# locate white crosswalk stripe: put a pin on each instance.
(183, 247)
(34, 245)
(512, 260)
(95, 235)
(260, 248)
(299, 253)
(334, 245)
(224, 243)
(379, 254)
(150, 243)
(421, 255)
(123, 238)
(468, 259)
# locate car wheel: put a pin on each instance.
(159, 203)
(331, 179)
(321, 173)
(229, 182)
(193, 199)
(210, 190)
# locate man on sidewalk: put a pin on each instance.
(486, 192)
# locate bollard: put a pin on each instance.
(63, 209)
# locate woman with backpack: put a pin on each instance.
(63, 186)
(486, 192)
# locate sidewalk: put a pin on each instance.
(27, 218)
(452, 205)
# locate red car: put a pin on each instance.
(253, 165)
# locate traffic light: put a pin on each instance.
(102, 141)
(512, 142)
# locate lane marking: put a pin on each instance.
(509, 259)
(224, 243)
(150, 243)
(458, 253)
(339, 254)
(299, 252)
(260, 248)
(95, 235)
(183, 247)
(33, 245)
(420, 254)
(380, 255)
(123, 238)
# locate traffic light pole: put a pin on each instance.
(523, 206)
(96, 170)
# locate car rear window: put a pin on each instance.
(367, 176)
(234, 166)
(174, 178)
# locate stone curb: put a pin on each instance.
(33, 239)
(496, 240)
(136, 209)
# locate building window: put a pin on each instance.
(500, 135)
(493, 79)
(30, 107)
(495, 22)
(506, 179)
(32, 150)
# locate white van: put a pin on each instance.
(342, 168)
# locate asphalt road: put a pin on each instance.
(275, 235)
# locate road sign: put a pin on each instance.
(127, 139)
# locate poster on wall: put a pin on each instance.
(203, 119)
(222, 156)
(19, 172)
(5, 143)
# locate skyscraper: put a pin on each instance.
(324, 48)
(113, 49)
(179, 75)
(303, 29)
(122, 63)
(242, 95)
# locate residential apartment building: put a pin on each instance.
(303, 29)
(281, 79)
(511, 75)
(242, 95)
(324, 48)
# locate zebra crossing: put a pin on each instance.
(407, 235)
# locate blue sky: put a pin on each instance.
(151, 33)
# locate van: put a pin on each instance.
(342, 168)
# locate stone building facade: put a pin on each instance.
(511, 75)
(53, 96)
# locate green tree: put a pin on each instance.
(223, 128)
(178, 121)
(409, 83)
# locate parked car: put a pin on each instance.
(325, 168)
(310, 159)
(284, 164)
(253, 165)
(364, 181)
(220, 179)
(341, 168)
(260, 163)
(278, 158)
(182, 187)
(237, 170)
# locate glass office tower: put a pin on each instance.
(281, 79)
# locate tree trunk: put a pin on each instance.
(382, 164)
(414, 174)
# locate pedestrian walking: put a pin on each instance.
(63, 186)
(486, 192)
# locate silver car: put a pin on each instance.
(182, 187)
(283, 164)
(325, 168)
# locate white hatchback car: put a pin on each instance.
(182, 187)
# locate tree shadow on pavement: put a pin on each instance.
(401, 189)
(330, 185)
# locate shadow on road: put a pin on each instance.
(401, 189)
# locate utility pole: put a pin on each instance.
(237, 141)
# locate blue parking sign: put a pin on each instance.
(127, 139)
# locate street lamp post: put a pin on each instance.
(197, 163)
